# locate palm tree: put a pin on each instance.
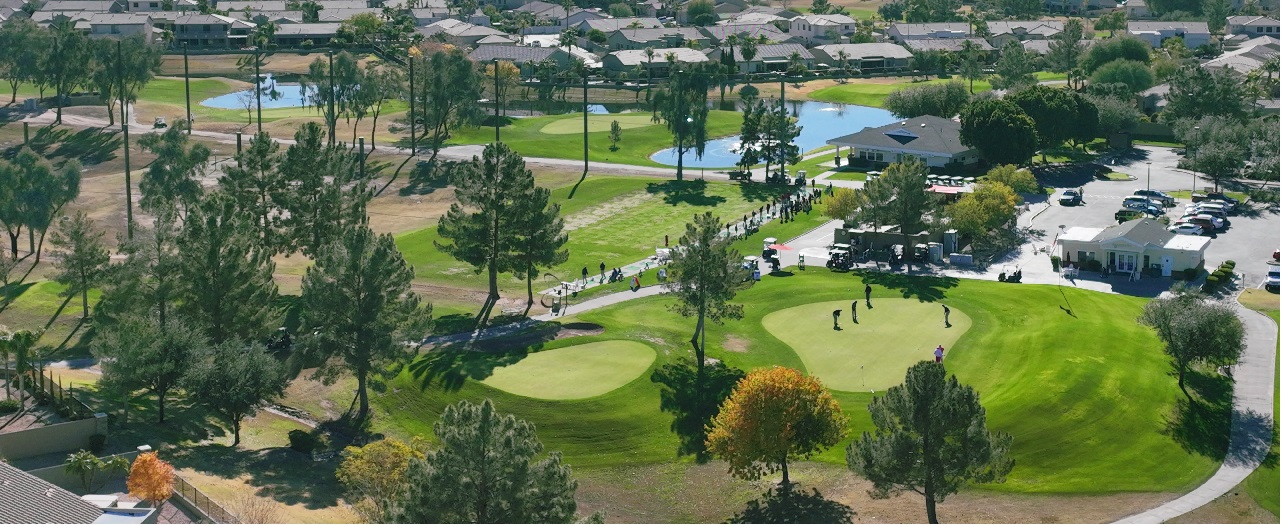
(748, 51)
(649, 71)
(843, 59)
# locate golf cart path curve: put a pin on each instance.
(1254, 373)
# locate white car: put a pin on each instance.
(1273, 281)
(1186, 228)
(1214, 221)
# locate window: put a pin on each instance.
(875, 156)
(205, 28)
(154, 5)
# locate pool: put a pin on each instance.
(285, 95)
(819, 122)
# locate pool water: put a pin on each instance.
(274, 95)
(819, 122)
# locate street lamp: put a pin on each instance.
(1196, 136)
(1149, 177)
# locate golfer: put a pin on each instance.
(947, 312)
(854, 310)
(602, 271)
(584, 274)
(867, 294)
(938, 354)
(836, 319)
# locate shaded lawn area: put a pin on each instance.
(617, 220)
(1085, 417)
(529, 138)
(868, 94)
(38, 305)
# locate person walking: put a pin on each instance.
(938, 354)
(854, 310)
(947, 312)
(584, 275)
(867, 295)
(836, 319)
(602, 272)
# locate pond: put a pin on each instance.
(274, 95)
(819, 122)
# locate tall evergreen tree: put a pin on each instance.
(226, 282)
(971, 67)
(359, 310)
(683, 107)
(66, 66)
(323, 193)
(908, 203)
(172, 181)
(1066, 47)
(540, 238)
(486, 471)
(931, 438)
(139, 353)
(82, 258)
(24, 44)
(257, 187)
(705, 274)
(481, 228)
(121, 68)
(145, 283)
(1015, 68)
(233, 379)
(1000, 130)
(448, 86)
(32, 192)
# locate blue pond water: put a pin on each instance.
(274, 95)
(819, 122)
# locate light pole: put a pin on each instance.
(585, 75)
(1196, 136)
(1149, 177)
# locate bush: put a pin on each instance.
(307, 442)
(1229, 263)
(1055, 261)
(9, 406)
(97, 443)
(1212, 281)
(1094, 265)
(1218, 275)
(307, 44)
(1190, 274)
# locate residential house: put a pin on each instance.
(609, 25)
(730, 7)
(29, 499)
(427, 15)
(1248, 56)
(822, 27)
(876, 57)
(1194, 34)
(769, 57)
(757, 18)
(770, 32)
(496, 40)
(92, 6)
(342, 14)
(658, 37)
(628, 60)
(934, 140)
(503, 5)
(524, 57)
(257, 5)
(297, 35)
(1003, 32)
(147, 6)
(1133, 246)
(1137, 9)
(1042, 47)
(211, 31)
(904, 32)
(120, 25)
(46, 18)
(1253, 26)
(951, 45)
(553, 19)
(457, 32)
(1074, 6)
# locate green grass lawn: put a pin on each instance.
(561, 136)
(617, 220)
(575, 372)
(865, 94)
(873, 354)
(1264, 484)
(848, 175)
(1085, 417)
(1187, 194)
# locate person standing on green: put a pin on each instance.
(867, 295)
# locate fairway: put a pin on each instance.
(575, 372)
(570, 126)
(874, 354)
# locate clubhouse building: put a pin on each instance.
(1133, 246)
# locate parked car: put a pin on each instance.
(1273, 281)
(1214, 195)
(1208, 209)
(1164, 198)
(1126, 214)
(1138, 203)
(1227, 206)
(1071, 197)
(1206, 222)
(1186, 228)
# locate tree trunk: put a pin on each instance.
(699, 351)
(13, 244)
(361, 395)
(907, 251)
(529, 288)
(787, 481)
(1183, 369)
(161, 396)
(40, 244)
(931, 513)
(84, 297)
(235, 428)
(373, 133)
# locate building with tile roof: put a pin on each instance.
(934, 140)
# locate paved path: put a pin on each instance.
(1251, 421)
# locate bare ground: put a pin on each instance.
(1233, 507)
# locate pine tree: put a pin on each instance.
(683, 107)
(931, 438)
(359, 309)
(257, 187)
(82, 258)
(705, 274)
(139, 353)
(322, 194)
(172, 181)
(234, 379)
(226, 277)
(145, 283)
(485, 471)
(540, 238)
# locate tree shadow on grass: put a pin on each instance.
(1203, 425)
(692, 192)
(450, 366)
(793, 506)
(693, 403)
(89, 146)
(1065, 175)
(759, 191)
(285, 475)
(926, 288)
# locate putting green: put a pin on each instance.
(570, 126)
(574, 372)
(874, 354)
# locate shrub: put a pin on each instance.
(97, 443)
(1229, 263)
(9, 406)
(1094, 265)
(307, 442)
(307, 44)
(1218, 274)
(1055, 261)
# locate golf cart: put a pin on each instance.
(778, 177)
(159, 123)
(800, 178)
(839, 258)
(921, 253)
(751, 263)
(740, 175)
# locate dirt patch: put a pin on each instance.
(1234, 507)
(737, 344)
(607, 209)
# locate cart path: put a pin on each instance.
(1254, 374)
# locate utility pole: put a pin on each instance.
(496, 103)
(782, 89)
(124, 126)
(331, 117)
(584, 123)
(186, 82)
(413, 144)
(258, 88)
(1196, 138)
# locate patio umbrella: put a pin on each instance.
(780, 247)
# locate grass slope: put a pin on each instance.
(873, 94)
(1264, 484)
(575, 372)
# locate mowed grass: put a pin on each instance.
(615, 220)
(873, 354)
(873, 94)
(575, 372)
(1086, 398)
(530, 136)
(572, 126)
(1264, 484)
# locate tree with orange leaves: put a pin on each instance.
(150, 478)
(773, 415)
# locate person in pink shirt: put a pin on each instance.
(938, 354)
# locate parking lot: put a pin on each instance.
(1249, 240)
